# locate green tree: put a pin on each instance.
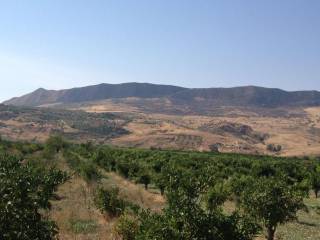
(108, 201)
(186, 218)
(160, 181)
(89, 172)
(272, 202)
(216, 196)
(56, 143)
(123, 168)
(315, 180)
(144, 178)
(103, 158)
(25, 191)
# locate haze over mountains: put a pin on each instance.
(248, 96)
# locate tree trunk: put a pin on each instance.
(271, 231)
(146, 186)
(316, 192)
(162, 191)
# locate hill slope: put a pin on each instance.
(94, 93)
(249, 96)
(239, 96)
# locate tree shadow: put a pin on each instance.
(308, 224)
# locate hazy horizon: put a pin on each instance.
(195, 44)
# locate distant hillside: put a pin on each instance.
(94, 93)
(248, 96)
(30, 123)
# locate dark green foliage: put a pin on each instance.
(315, 180)
(160, 181)
(56, 143)
(272, 202)
(84, 167)
(185, 218)
(196, 187)
(102, 157)
(264, 169)
(25, 190)
(108, 201)
(216, 196)
(26, 148)
(89, 172)
(274, 148)
(123, 168)
(144, 178)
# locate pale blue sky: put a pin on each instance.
(193, 43)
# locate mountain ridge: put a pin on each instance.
(236, 96)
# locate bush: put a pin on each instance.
(86, 169)
(123, 169)
(89, 172)
(54, 144)
(216, 196)
(108, 201)
(127, 226)
(104, 159)
(274, 148)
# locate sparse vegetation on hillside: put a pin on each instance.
(274, 148)
(71, 124)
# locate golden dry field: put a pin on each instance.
(297, 131)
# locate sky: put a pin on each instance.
(192, 43)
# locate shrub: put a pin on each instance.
(274, 148)
(89, 172)
(127, 226)
(108, 201)
(56, 142)
(85, 168)
(216, 196)
(123, 169)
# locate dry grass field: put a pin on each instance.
(297, 131)
(76, 214)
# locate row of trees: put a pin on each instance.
(268, 191)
